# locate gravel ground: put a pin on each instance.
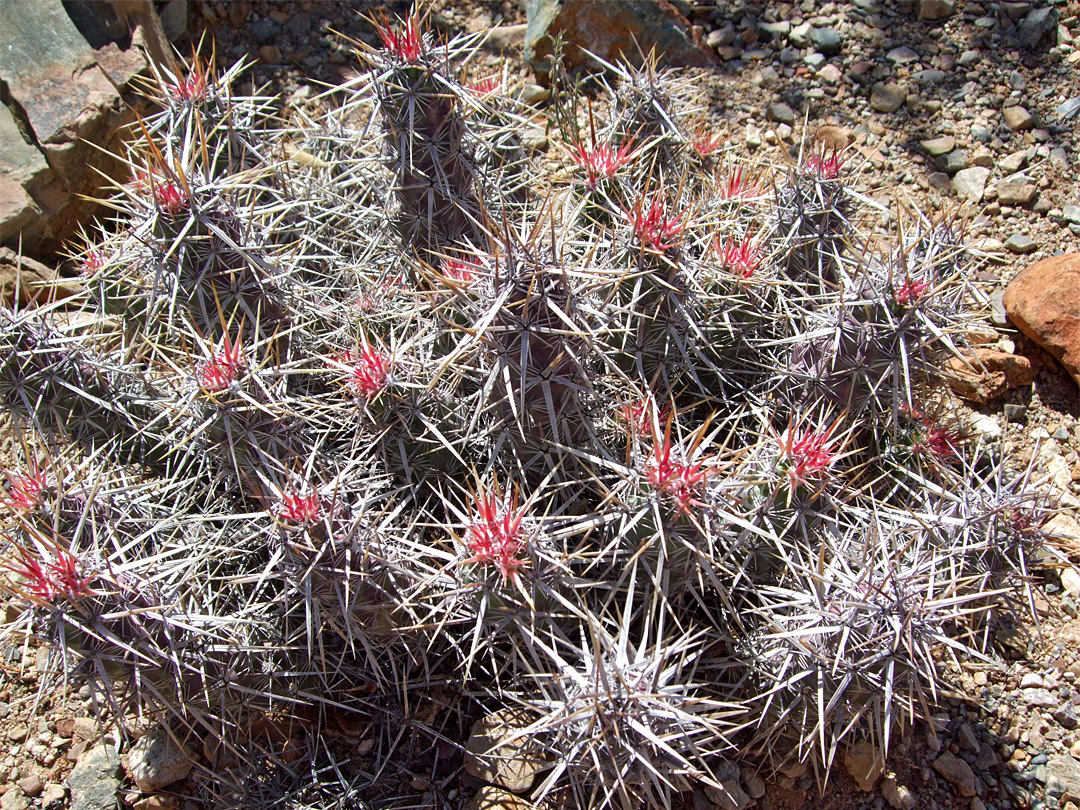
(938, 112)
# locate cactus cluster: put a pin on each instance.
(365, 415)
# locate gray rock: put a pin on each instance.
(533, 140)
(298, 25)
(800, 35)
(898, 796)
(496, 753)
(929, 77)
(1040, 698)
(18, 733)
(780, 113)
(1014, 162)
(1063, 779)
(967, 739)
(902, 55)
(970, 184)
(938, 180)
(1021, 245)
(264, 30)
(1018, 118)
(1039, 23)
(1065, 717)
(969, 58)
(828, 41)
(957, 772)
(776, 30)
(731, 796)
(613, 30)
(936, 9)
(888, 97)
(503, 36)
(755, 785)
(1071, 214)
(156, 760)
(93, 781)
(953, 162)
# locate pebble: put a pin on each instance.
(902, 55)
(1016, 191)
(18, 733)
(1020, 244)
(957, 772)
(888, 97)
(780, 113)
(31, 785)
(936, 147)
(1071, 214)
(970, 184)
(54, 797)
(1018, 119)
(156, 761)
(828, 41)
(953, 162)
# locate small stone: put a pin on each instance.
(1014, 162)
(270, 54)
(496, 753)
(888, 97)
(1018, 119)
(731, 795)
(834, 139)
(1065, 716)
(936, 147)
(969, 58)
(159, 801)
(755, 786)
(156, 760)
(898, 796)
(936, 9)
(84, 728)
(800, 35)
(1071, 214)
(54, 797)
(953, 162)
(967, 739)
(1037, 25)
(753, 137)
(1016, 191)
(1031, 680)
(1040, 698)
(1063, 779)
(986, 426)
(957, 772)
(31, 785)
(490, 797)
(1070, 582)
(864, 763)
(93, 781)
(1020, 244)
(902, 55)
(14, 799)
(830, 74)
(780, 113)
(264, 30)
(970, 184)
(534, 140)
(17, 734)
(939, 181)
(828, 41)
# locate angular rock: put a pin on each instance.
(780, 113)
(888, 97)
(936, 9)
(936, 147)
(1063, 779)
(156, 760)
(14, 799)
(1044, 303)
(93, 781)
(24, 280)
(970, 184)
(1038, 25)
(863, 761)
(974, 384)
(1021, 245)
(54, 797)
(957, 772)
(613, 30)
(827, 41)
(31, 785)
(731, 795)
(1016, 191)
(496, 752)
(953, 162)
(898, 796)
(1018, 118)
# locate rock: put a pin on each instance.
(490, 797)
(834, 139)
(1063, 530)
(1044, 303)
(1065, 716)
(496, 753)
(957, 772)
(613, 30)
(830, 74)
(159, 801)
(14, 799)
(731, 795)
(864, 763)
(18, 733)
(1016, 191)
(1014, 162)
(1071, 214)
(1063, 779)
(936, 9)
(936, 147)
(780, 113)
(902, 55)
(264, 30)
(828, 41)
(31, 785)
(755, 785)
(1018, 118)
(156, 760)
(84, 728)
(888, 97)
(1039, 698)
(1037, 25)
(970, 184)
(93, 781)
(953, 162)
(534, 140)
(24, 280)
(54, 797)
(1021, 245)
(1031, 680)
(504, 36)
(898, 796)
(974, 385)
(800, 35)
(775, 30)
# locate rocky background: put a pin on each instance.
(946, 109)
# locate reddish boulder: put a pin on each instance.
(1044, 303)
